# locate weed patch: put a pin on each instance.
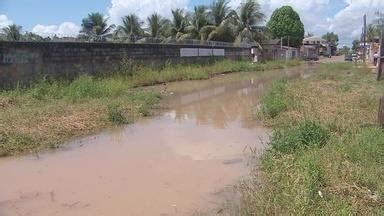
(275, 100)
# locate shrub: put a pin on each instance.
(116, 114)
(84, 87)
(307, 133)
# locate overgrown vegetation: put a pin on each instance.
(275, 100)
(327, 154)
(51, 112)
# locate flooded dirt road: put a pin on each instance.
(178, 163)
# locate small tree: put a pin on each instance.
(332, 39)
(285, 23)
(355, 44)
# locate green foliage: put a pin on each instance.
(308, 133)
(130, 28)
(116, 114)
(285, 23)
(275, 100)
(13, 32)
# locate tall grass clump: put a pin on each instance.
(275, 100)
(306, 134)
(116, 114)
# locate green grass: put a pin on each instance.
(275, 100)
(51, 112)
(326, 155)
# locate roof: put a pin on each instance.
(273, 42)
(314, 38)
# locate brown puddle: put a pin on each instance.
(175, 164)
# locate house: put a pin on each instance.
(273, 50)
(314, 46)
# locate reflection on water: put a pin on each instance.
(177, 163)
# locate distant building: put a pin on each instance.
(273, 50)
(313, 46)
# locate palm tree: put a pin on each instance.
(131, 28)
(158, 26)
(199, 19)
(95, 26)
(219, 11)
(246, 20)
(13, 32)
(372, 32)
(179, 22)
(30, 36)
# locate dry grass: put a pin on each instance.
(50, 112)
(347, 171)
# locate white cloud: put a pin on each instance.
(66, 29)
(4, 21)
(142, 8)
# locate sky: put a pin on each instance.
(63, 17)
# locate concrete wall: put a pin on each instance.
(24, 62)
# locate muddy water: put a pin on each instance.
(177, 163)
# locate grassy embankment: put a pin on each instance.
(326, 154)
(51, 112)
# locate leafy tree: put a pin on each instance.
(285, 23)
(331, 37)
(12, 32)
(355, 44)
(130, 28)
(95, 26)
(158, 26)
(344, 50)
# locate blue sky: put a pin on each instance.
(64, 16)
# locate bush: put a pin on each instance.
(275, 100)
(84, 87)
(307, 133)
(116, 115)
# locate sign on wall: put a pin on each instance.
(193, 52)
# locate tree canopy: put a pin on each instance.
(285, 23)
(13, 32)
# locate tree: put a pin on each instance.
(285, 23)
(130, 28)
(333, 41)
(246, 20)
(95, 27)
(355, 44)
(179, 22)
(372, 32)
(220, 11)
(158, 26)
(12, 32)
(199, 19)
(30, 36)
(345, 50)
(221, 27)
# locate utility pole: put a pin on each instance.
(365, 37)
